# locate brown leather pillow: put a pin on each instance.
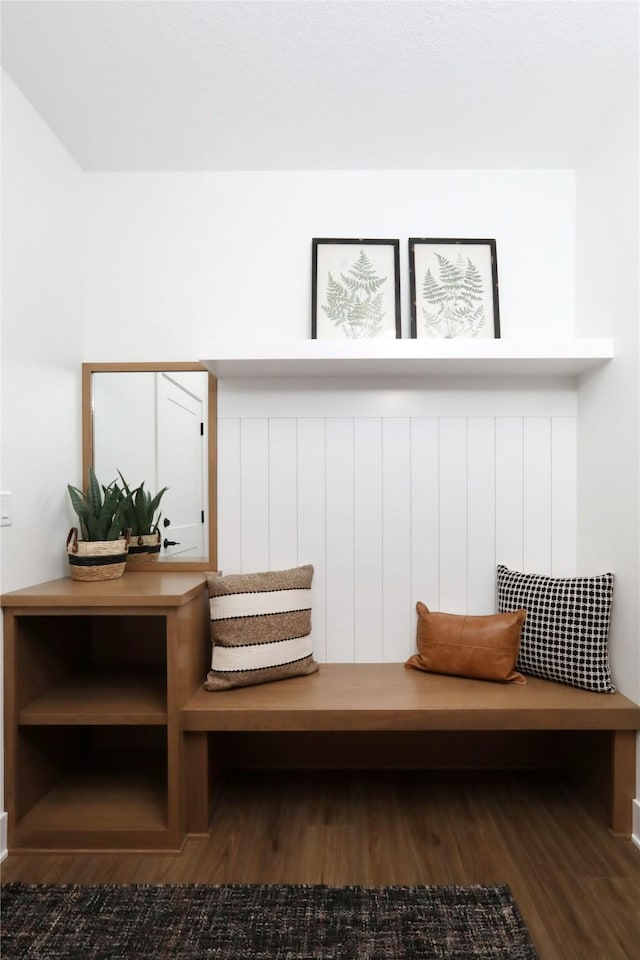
(485, 648)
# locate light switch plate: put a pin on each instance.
(5, 508)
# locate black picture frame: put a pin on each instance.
(467, 266)
(350, 296)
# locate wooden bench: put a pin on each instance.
(382, 715)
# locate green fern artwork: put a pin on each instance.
(355, 302)
(453, 304)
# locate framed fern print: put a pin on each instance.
(355, 290)
(454, 289)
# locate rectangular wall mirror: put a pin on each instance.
(156, 423)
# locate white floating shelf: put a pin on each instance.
(417, 358)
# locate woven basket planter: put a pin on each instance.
(96, 559)
(144, 547)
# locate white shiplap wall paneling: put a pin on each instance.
(254, 493)
(283, 485)
(339, 565)
(229, 505)
(397, 617)
(425, 512)
(509, 491)
(311, 502)
(368, 540)
(563, 496)
(537, 494)
(393, 509)
(395, 397)
(453, 514)
(481, 514)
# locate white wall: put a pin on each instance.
(176, 262)
(41, 342)
(608, 301)
(608, 399)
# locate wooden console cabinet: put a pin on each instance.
(96, 675)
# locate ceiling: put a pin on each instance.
(322, 84)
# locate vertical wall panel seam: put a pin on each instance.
(438, 538)
(353, 534)
(522, 444)
(411, 530)
(269, 452)
(382, 518)
(439, 495)
(468, 518)
(466, 526)
(380, 421)
(297, 476)
(241, 482)
(495, 508)
(551, 497)
(326, 605)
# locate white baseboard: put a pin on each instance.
(3, 837)
(635, 836)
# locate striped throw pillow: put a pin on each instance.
(260, 627)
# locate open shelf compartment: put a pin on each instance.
(91, 787)
(102, 669)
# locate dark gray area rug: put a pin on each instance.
(255, 922)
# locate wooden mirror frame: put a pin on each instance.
(87, 452)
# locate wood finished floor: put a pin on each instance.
(577, 887)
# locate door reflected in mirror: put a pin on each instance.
(152, 426)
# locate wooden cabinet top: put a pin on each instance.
(132, 589)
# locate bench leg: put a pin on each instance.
(196, 769)
(623, 777)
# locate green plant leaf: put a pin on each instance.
(78, 500)
(138, 508)
(94, 493)
(98, 509)
(155, 503)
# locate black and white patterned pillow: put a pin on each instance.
(565, 634)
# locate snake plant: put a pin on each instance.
(98, 510)
(139, 508)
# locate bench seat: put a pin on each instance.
(385, 697)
